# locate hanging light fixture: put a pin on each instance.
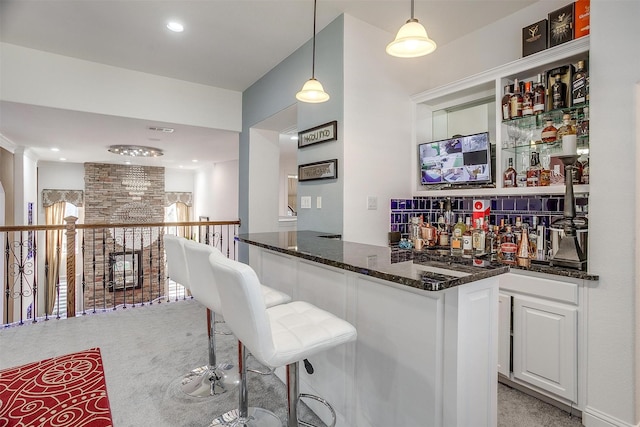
(411, 41)
(312, 91)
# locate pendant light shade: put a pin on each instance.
(312, 91)
(411, 41)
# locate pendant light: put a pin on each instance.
(411, 41)
(312, 91)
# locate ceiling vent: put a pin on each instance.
(161, 129)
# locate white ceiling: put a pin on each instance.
(226, 43)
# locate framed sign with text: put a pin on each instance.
(322, 133)
(327, 169)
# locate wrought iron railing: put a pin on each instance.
(108, 266)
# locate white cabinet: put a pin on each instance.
(545, 345)
(504, 334)
(540, 329)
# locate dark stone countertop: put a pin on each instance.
(400, 266)
(536, 266)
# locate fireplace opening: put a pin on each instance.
(125, 270)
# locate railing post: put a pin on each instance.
(71, 265)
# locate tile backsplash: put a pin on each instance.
(546, 207)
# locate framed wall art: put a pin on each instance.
(327, 169)
(323, 133)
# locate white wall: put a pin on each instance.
(216, 191)
(58, 175)
(264, 158)
(179, 180)
(613, 396)
(377, 134)
(35, 77)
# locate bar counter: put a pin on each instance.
(427, 346)
(402, 266)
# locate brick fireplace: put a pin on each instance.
(123, 265)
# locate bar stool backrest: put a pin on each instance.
(203, 283)
(244, 311)
(176, 260)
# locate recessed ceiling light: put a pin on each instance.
(62, 159)
(195, 160)
(175, 26)
(55, 149)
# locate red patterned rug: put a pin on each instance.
(65, 391)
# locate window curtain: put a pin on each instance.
(54, 215)
(183, 213)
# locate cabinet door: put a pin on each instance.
(504, 334)
(545, 345)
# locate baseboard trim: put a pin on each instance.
(593, 418)
(546, 399)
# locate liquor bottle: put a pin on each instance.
(516, 229)
(527, 100)
(521, 176)
(539, 97)
(506, 103)
(579, 85)
(467, 239)
(559, 93)
(584, 160)
(523, 251)
(533, 238)
(516, 101)
(568, 135)
(456, 237)
(549, 133)
(479, 238)
(491, 241)
(508, 247)
(509, 176)
(534, 171)
(583, 126)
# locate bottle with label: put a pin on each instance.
(508, 247)
(549, 133)
(567, 133)
(584, 160)
(534, 170)
(506, 103)
(467, 239)
(509, 176)
(516, 101)
(523, 251)
(583, 125)
(456, 237)
(579, 85)
(533, 238)
(478, 238)
(491, 241)
(558, 93)
(539, 97)
(527, 100)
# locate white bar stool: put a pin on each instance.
(277, 336)
(204, 289)
(203, 381)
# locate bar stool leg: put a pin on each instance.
(246, 416)
(211, 379)
(294, 396)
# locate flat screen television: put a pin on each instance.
(456, 161)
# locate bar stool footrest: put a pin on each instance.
(321, 400)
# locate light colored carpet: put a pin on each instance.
(147, 350)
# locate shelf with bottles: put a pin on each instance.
(523, 133)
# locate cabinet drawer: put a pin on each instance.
(540, 287)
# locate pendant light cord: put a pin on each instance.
(313, 60)
(412, 6)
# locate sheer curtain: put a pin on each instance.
(54, 215)
(183, 213)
